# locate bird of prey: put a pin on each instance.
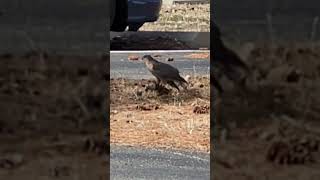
(226, 60)
(164, 73)
(229, 63)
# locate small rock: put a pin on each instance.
(11, 161)
(170, 59)
(201, 109)
(129, 121)
(133, 58)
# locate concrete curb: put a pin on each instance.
(195, 40)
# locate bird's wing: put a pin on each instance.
(153, 70)
(230, 63)
(165, 71)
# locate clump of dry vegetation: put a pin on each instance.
(144, 116)
(181, 17)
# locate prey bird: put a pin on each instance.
(164, 73)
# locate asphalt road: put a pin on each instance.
(121, 67)
(138, 163)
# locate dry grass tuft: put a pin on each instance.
(181, 17)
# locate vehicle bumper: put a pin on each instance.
(141, 11)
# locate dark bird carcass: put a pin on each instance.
(164, 73)
(226, 61)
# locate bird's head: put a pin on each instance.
(146, 57)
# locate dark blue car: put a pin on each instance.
(133, 13)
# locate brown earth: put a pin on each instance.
(51, 123)
(274, 126)
(144, 116)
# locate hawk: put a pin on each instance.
(164, 73)
(226, 60)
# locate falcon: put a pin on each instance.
(164, 73)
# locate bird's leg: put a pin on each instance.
(171, 83)
(157, 83)
(183, 84)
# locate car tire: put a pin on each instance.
(121, 16)
(135, 26)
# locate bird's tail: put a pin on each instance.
(182, 80)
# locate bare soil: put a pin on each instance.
(274, 128)
(51, 123)
(143, 116)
